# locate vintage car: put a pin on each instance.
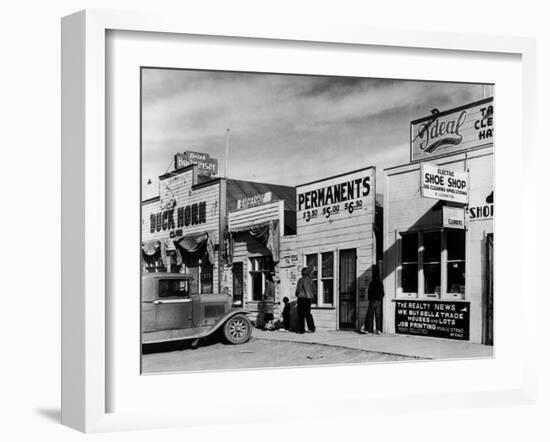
(170, 312)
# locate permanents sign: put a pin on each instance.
(205, 164)
(438, 319)
(452, 131)
(255, 200)
(338, 197)
(444, 183)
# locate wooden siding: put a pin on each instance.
(340, 232)
(180, 187)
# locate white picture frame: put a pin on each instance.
(85, 217)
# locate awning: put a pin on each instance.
(152, 252)
(150, 248)
(267, 234)
(190, 248)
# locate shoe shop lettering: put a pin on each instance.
(432, 318)
(483, 209)
(190, 215)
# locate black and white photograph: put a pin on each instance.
(304, 220)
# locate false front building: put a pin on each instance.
(184, 228)
(336, 238)
(438, 228)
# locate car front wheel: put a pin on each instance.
(237, 329)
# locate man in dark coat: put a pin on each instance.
(374, 310)
(304, 293)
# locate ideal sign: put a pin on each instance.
(452, 131)
(256, 200)
(444, 183)
(205, 164)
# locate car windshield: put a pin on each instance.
(173, 287)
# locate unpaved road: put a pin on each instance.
(256, 353)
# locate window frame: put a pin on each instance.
(443, 263)
(417, 262)
(319, 280)
(253, 267)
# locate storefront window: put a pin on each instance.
(441, 257)
(311, 264)
(258, 267)
(321, 267)
(207, 277)
(456, 262)
(327, 277)
(432, 263)
(409, 264)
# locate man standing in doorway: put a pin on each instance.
(304, 293)
(374, 310)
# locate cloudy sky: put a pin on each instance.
(284, 129)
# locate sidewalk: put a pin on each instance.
(404, 345)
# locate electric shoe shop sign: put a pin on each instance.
(444, 183)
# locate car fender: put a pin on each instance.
(173, 335)
(225, 317)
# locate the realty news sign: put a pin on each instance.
(444, 183)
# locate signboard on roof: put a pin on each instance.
(255, 200)
(444, 183)
(452, 131)
(205, 164)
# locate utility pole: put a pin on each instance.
(226, 151)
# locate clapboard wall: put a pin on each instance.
(182, 188)
(332, 230)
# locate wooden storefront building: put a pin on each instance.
(184, 228)
(336, 238)
(438, 234)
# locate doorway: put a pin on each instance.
(348, 289)
(488, 304)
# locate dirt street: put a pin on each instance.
(254, 354)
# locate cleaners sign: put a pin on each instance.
(453, 218)
(452, 131)
(444, 183)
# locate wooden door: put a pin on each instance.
(488, 326)
(238, 278)
(348, 289)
